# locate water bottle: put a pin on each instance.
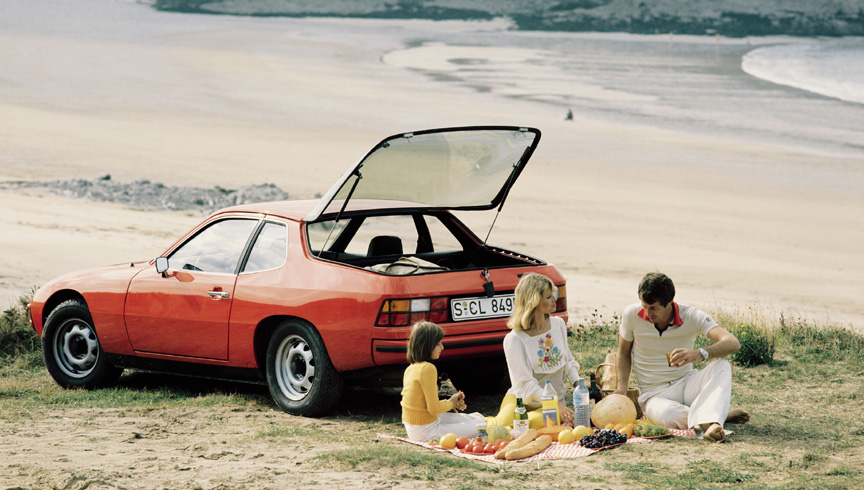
(581, 407)
(520, 419)
(549, 404)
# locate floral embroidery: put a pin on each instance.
(548, 355)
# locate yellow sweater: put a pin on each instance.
(420, 403)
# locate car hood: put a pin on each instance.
(467, 168)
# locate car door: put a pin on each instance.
(185, 311)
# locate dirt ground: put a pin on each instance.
(249, 444)
(183, 448)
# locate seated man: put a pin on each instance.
(658, 336)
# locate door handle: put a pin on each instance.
(217, 295)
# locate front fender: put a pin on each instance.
(102, 290)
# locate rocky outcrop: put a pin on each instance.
(736, 18)
(149, 196)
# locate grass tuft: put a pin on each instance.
(20, 347)
(757, 345)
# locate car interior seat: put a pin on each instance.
(385, 245)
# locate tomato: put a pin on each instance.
(469, 448)
(478, 449)
(502, 443)
(461, 442)
(489, 448)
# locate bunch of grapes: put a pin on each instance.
(603, 438)
(644, 429)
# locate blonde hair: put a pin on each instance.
(532, 288)
(423, 340)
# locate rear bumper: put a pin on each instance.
(455, 347)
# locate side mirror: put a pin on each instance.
(162, 266)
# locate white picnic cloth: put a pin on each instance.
(554, 451)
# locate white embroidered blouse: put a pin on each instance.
(531, 360)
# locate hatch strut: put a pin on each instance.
(505, 191)
(342, 210)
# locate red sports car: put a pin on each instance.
(311, 295)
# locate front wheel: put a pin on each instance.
(71, 349)
(301, 378)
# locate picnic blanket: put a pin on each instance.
(554, 451)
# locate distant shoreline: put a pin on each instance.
(800, 19)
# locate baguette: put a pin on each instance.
(531, 449)
(525, 438)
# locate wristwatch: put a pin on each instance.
(704, 354)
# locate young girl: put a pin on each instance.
(536, 350)
(424, 415)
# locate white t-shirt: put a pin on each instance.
(650, 346)
(531, 360)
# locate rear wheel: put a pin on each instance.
(71, 349)
(301, 378)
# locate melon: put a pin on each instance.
(497, 432)
(614, 409)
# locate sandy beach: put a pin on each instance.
(742, 224)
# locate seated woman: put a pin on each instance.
(536, 350)
(425, 416)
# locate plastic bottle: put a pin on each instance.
(581, 407)
(549, 404)
(520, 419)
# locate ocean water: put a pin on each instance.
(700, 84)
(829, 67)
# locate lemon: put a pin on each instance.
(580, 431)
(566, 437)
(448, 441)
(626, 430)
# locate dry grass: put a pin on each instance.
(805, 431)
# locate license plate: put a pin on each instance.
(474, 308)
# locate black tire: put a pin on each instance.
(301, 377)
(71, 349)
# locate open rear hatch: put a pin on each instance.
(466, 168)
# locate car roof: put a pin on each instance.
(298, 209)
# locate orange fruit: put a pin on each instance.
(610, 426)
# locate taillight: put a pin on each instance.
(561, 304)
(404, 312)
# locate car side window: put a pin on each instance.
(270, 248)
(216, 248)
